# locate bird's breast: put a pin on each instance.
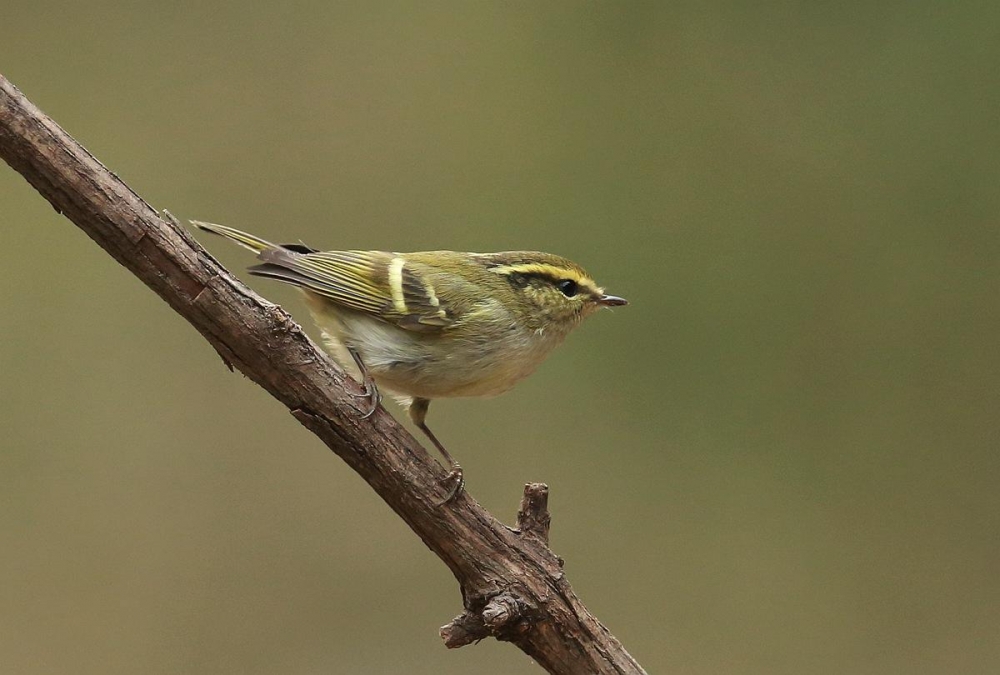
(436, 365)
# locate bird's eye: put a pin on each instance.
(567, 287)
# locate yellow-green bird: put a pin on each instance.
(433, 324)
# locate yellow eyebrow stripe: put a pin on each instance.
(543, 270)
(540, 269)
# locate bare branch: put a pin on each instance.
(513, 586)
(533, 518)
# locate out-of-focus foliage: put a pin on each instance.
(781, 458)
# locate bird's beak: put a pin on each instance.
(611, 301)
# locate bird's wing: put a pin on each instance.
(382, 284)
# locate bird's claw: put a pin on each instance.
(373, 395)
(456, 476)
(371, 391)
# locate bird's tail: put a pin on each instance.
(255, 244)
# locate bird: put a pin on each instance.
(432, 324)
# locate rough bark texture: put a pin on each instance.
(513, 586)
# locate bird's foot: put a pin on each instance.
(372, 394)
(456, 480)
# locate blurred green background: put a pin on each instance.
(781, 458)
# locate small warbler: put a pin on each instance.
(433, 324)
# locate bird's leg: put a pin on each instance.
(371, 391)
(418, 412)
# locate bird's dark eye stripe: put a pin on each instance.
(518, 281)
(567, 287)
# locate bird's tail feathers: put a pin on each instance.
(249, 241)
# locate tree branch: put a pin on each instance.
(513, 587)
